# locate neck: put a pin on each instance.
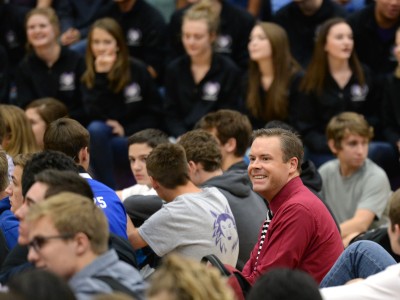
(202, 60)
(266, 67)
(347, 171)
(126, 6)
(337, 65)
(188, 188)
(49, 54)
(229, 161)
(83, 261)
(208, 175)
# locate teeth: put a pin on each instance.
(259, 177)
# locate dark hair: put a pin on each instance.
(168, 165)
(229, 124)
(152, 137)
(202, 147)
(285, 284)
(291, 144)
(64, 181)
(67, 136)
(40, 284)
(42, 161)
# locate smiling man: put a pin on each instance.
(302, 234)
(355, 188)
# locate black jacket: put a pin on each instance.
(233, 34)
(138, 106)
(34, 80)
(186, 101)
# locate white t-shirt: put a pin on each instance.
(137, 189)
(194, 225)
(384, 285)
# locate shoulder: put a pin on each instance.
(330, 167)
(374, 170)
(225, 63)
(358, 17)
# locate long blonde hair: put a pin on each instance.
(19, 137)
(275, 105)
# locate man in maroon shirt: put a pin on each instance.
(301, 234)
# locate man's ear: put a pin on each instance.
(83, 155)
(230, 145)
(192, 166)
(83, 243)
(154, 183)
(332, 147)
(294, 162)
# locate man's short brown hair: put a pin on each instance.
(202, 147)
(229, 124)
(168, 165)
(291, 144)
(347, 123)
(67, 136)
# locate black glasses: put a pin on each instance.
(39, 241)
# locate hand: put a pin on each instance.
(117, 128)
(71, 36)
(105, 62)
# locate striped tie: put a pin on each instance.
(263, 235)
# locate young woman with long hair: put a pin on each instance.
(119, 95)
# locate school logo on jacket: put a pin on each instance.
(225, 232)
(12, 39)
(132, 93)
(211, 91)
(67, 81)
(134, 37)
(223, 44)
(358, 93)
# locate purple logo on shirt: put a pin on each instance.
(132, 93)
(211, 91)
(67, 81)
(225, 232)
(223, 44)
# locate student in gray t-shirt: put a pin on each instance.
(195, 222)
(355, 188)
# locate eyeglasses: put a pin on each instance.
(39, 241)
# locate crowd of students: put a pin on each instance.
(206, 107)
